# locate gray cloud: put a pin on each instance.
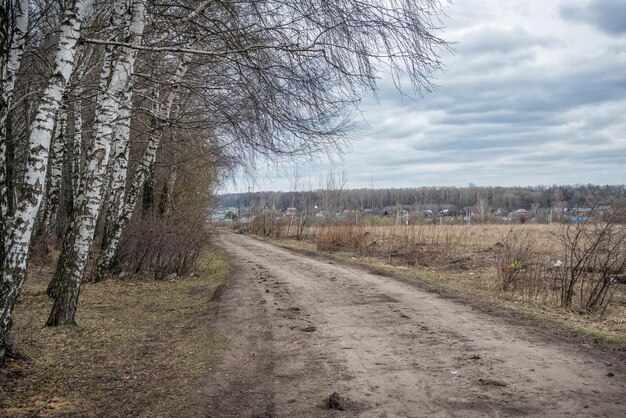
(533, 98)
(501, 40)
(607, 15)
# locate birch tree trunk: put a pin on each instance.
(119, 171)
(74, 257)
(119, 21)
(13, 41)
(127, 207)
(32, 187)
(59, 147)
(77, 145)
(117, 27)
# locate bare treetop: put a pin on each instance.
(285, 77)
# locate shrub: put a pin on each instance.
(335, 237)
(581, 272)
(266, 225)
(594, 255)
(513, 259)
(163, 245)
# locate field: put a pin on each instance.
(563, 272)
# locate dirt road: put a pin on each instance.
(301, 328)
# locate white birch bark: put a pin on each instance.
(32, 187)
(55, 178)
(119, 170)
(74, 257)
(15, 38)
(121, 138)
(127, 207)
(119, 19)
(116, 30)
(77, 142)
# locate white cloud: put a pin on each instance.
(535, 93)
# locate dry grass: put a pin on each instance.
(470, 260)
(140, 347)
(456, 247)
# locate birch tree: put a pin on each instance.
(119, 163)
(282, 77)
(117, 210)
(277, 78)
(14, 27)
(32, 187)
(123, 209)
(119, 23)
(73, 259)
(55, 178)
(77, 144)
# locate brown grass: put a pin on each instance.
(456, 247)
(473, 260)
(139, 349)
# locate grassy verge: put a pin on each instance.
(139, 349)
(479, 284)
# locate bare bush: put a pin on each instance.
(514, 256)
(594, 256)
(163, 246)
(266, 224)
(581, 272)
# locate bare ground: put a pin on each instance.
(301, 328)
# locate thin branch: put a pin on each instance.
(203, 52)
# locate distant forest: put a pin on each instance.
(508, 198)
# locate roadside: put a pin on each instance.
(139, 350)
(301, 328)
(475, 285)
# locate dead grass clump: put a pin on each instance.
(436, 246)
(339, 237)
(522, 268)
(514, 260)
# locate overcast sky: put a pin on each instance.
(535, 93)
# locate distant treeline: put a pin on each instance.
(508, 198)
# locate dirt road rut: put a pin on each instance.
(301, 328)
